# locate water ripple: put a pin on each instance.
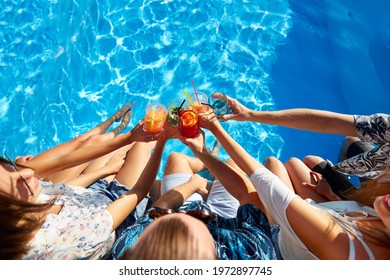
(67, 65)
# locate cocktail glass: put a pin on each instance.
(220, 103)
(200, 102)
(188, 123)
(173, 110)
(155, 116)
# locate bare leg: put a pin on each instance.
(312, 161)
(73, 172)
(125, 121)
(104, 160)
(77, 142)
(299, 172)
(155, 191)
(91, 137)
(136, 160)
(347, 151)
(180, 163)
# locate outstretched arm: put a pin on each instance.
(318, 232)
(299, 118)
(234, 182)
(43, 168)
(239, 155)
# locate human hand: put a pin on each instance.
(139, 135)
(170, 132)
(196, 144)
(200, 182)
(239, 111)
(116, 162)
(208, 120)
(321, 186)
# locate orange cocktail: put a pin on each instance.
(199, 103)
(155, 116)
(188, 123)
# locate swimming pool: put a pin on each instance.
(67, 65)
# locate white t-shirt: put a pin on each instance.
(276, 197)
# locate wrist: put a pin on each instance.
(251, 115)
(129, 138)
(215, 127)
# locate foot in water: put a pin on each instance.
(122, 112)
(125, 120)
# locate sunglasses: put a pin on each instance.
(203, 215)
(10, 161)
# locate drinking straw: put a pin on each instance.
(207, 105)
(178, 110)
(196, 93)
(188, 97)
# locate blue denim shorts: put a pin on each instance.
(113, 191)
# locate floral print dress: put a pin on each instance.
(81, 230)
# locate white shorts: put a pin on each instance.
(219, 199)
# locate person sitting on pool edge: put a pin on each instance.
(238, 228)
(304, 230)
(93, 136)
(375, 129)
(85, 219)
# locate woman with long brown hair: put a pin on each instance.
(59, 221)
(305, 230)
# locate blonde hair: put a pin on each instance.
(170, 239)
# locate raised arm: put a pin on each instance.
(122, 207)
(299, 118)
(239, 155)
(43, 168)
(234, 182)
(320, 234)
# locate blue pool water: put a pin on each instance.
(66, 65)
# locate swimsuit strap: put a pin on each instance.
(366, 247)
(352, 251)
(352, 231)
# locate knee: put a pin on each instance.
(293, 161)
(347, 142)
(175, 157)
(312, 161)
(271, 161)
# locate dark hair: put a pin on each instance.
(18, 223)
